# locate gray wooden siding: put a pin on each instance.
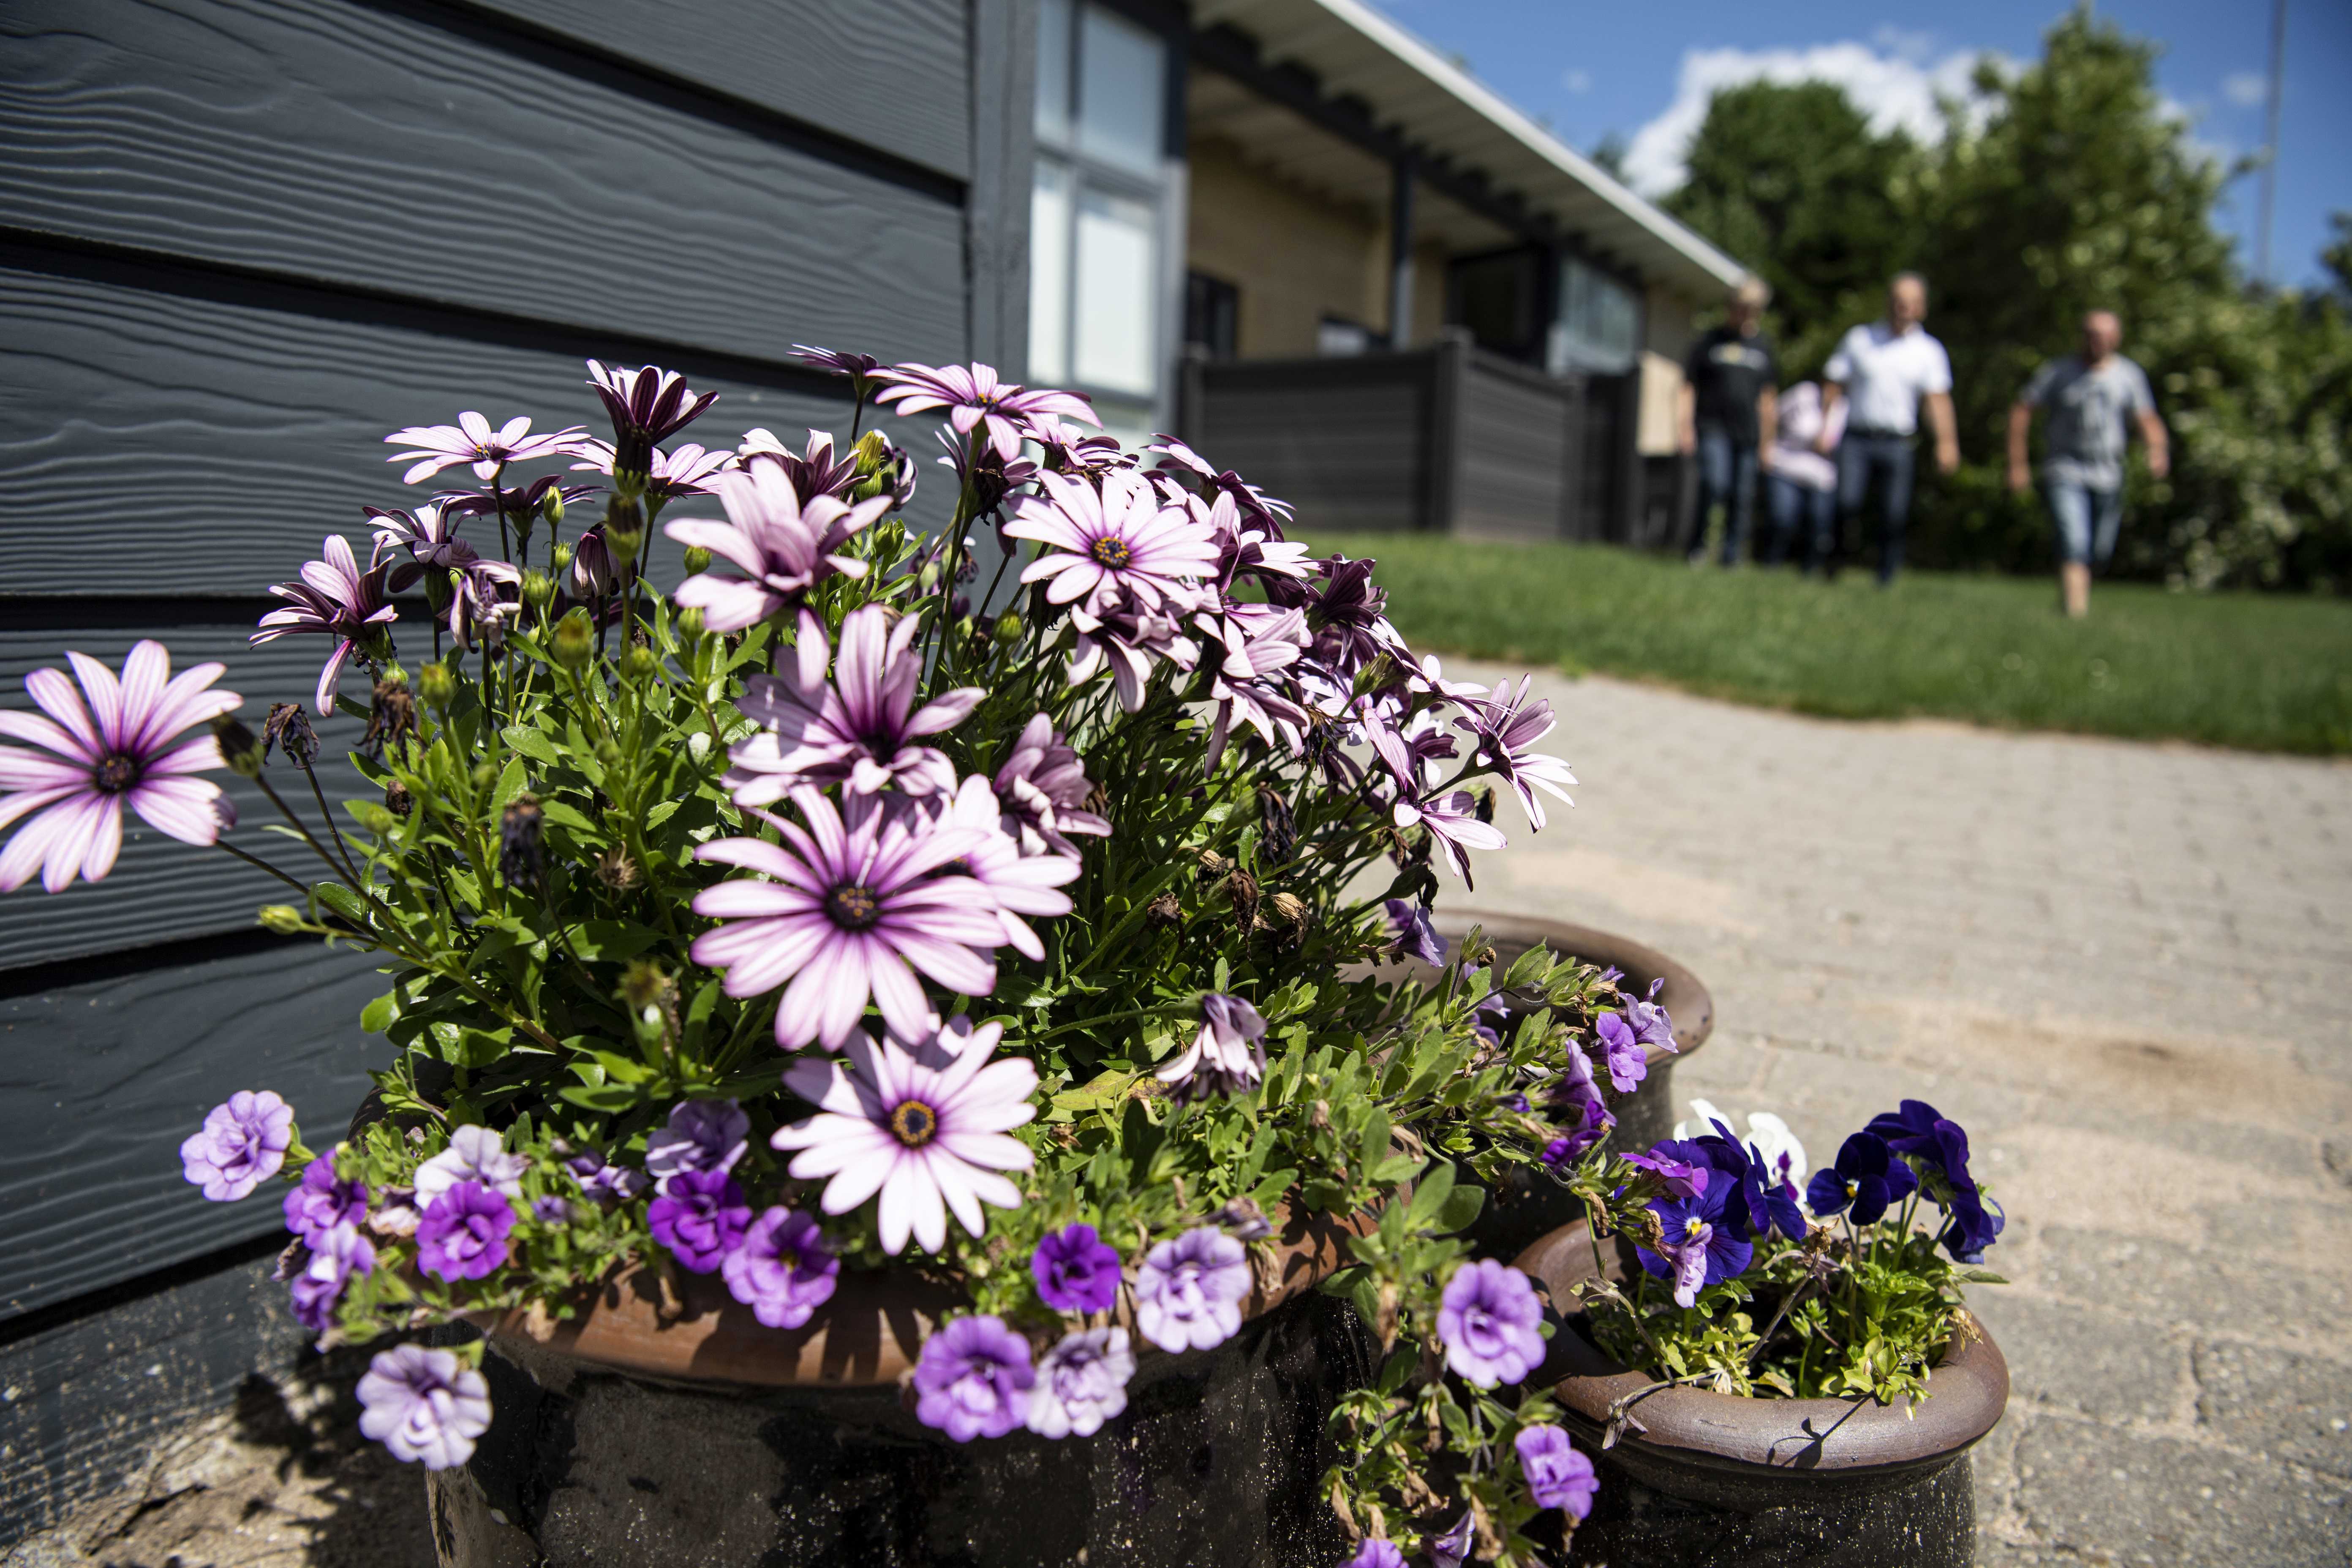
(1512, 480)
(1344, 440)
(241, 240)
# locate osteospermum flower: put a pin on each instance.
(847, 915)
(334, 599)
(113, 743)
(861, 728)
(1227, 1056)
(1019, 884)
(1081, 1383)
(243, 1143)
(1491, 1324)
(927, 1138)
(685, 470)
(973, 1379)
(1043, 790)
(648, 406)
(424, 1404)
(1189, 1292)
(1132, 642)
(1503, 727)
(777, 544)
(471, 440)
(975, 399)
(1121, 543)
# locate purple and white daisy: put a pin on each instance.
(814, 470)
(845, 915)
(861, 728)
(471, 440)
(1081, 1383)
(1189, 1292)
(1075, 1270)
(858, 368)
(429, 534)
(1120, 544)
(975, 399)
(700, 1216)
(780, 545)
(424, 1404)
(1227, 1056)
(324, 1201)
(928, 1138)
(1245, 548)
(1454, 826)
(463, 1235)
(973, 1380)
(702, 1135)
(1503, 727)
(115, 742)
(475, 1154)
(334, 599)
(685, 470)
(243, 1144)
(1557, 1475)
(782, 1270)
(1491, 1324)
(1132, 642)
(484, 600)
(1258, 508)
(336, 1254)
(1043, 790)
(1019, 884)
(648, 406)
(1345, 612)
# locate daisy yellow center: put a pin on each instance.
(1115, 554)
(914, 1124)
(115, 773)
(853, 908)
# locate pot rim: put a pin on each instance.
(1734, 1432)
(870, 1335)
(1685, 996)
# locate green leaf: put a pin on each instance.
(572, 820)
(1461, 1210)
(377, 1016)
(347, 905)
(512, 780)
(608, 1098)
(1429, 1196)
(531, 744)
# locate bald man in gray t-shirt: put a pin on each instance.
(2092, 399)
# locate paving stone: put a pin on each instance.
(2108, 1496)
(2290, 1407)
(2185, 1282)
(2085, 1360)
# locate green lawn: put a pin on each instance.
(2261, 672)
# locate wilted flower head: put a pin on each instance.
(1416, 934)
(1189, 1292)
(471, 440)
(926, 1137)
(1081, 1383)
(243, 1143)
(334, 599)
(115, 742)
(975, 399)
(973, 1379)
(1043, 789)
(1226, 1055)
(1491, 1324)
(422, 1403)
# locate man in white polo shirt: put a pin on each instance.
(1884, 372)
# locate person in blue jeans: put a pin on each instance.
(1800, 490)
(1723, 413)
(2092, 399)
(1885, 373)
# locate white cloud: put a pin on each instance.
(1914, 47)
(1576, 80)
(1894, 90)
(2246, 89)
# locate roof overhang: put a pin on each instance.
(1360, 78)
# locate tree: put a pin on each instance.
(1793, 179)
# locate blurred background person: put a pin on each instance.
(2092, 399)
(1800, 480)
(1724, 408)
(1888, 371)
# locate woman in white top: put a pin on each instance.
(1801, 487)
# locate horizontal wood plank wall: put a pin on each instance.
(241, 240)
(1343, 440)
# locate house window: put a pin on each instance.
(1213, 315)
(1098, 208)
(1599, 327)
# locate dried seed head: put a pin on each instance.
(616, 871)
(288, 727)
(237, 746)
(521, 861)
(1164, 911)
(391, 715)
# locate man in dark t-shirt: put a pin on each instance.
(1726, 405)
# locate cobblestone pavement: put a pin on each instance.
(2123, 968)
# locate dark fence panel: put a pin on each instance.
(1513, 470)
(1344, 440)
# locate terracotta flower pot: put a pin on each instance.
(1719, 1481)
(699, 1437)
(1519, 1209)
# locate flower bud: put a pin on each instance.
(608, 755)
(284, 919)
(376, 819)
(551, 507)
(438, 687)
(1008, 629)
(538, 588)
(624, 543)
(873, 449)
(640, 663)
(237, 746)
(486, 774)
(690, 623)
(574, 642)
(561, 558)
(697, 560)
(397, 800)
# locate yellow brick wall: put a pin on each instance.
(1295, 258)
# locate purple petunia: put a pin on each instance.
(463, 1235)
(1228, 1056)
(115, 742)
(1081, 1383)
(973, 1380)
(1576, 1095)
(1075, 1270)
(1629, 1064)
(1416, 934)
(1557, 1476)
(336, 599)
(783, 1271)
(1452, 1549)
(1374, 1552)
(1867, 1176)
(702, 1135)
(336, 1255)
(323, 1201)
(1491, 1323)
(1189, 1292)
(700, 1216)
(424, 1404)
(604, 1182)
(476, 1153)
(243, 1143)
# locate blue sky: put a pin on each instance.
(1644, 72)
